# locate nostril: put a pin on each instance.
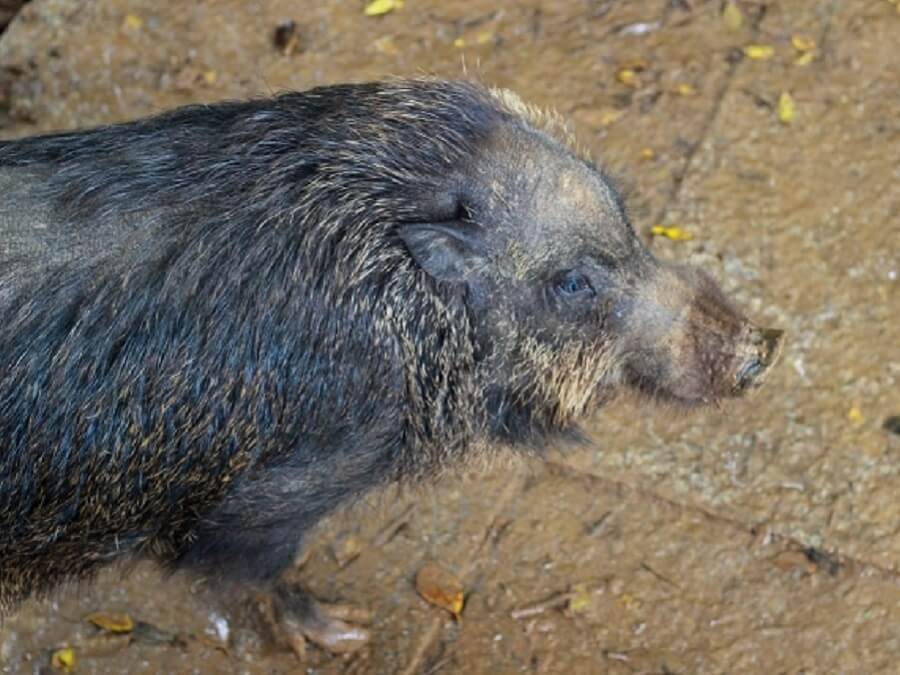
(749, 372)
(766, 346)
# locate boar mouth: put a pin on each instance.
(658, 392)
(748, 369)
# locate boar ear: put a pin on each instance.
(447, 251)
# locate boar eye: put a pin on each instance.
(573, 284)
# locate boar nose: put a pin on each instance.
(765, 346)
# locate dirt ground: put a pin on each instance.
(762, 537)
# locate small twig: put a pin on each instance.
(390, 530)
(647, 568)
(556, 601)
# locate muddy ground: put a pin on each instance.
(763, 537)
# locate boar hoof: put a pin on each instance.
(300, 617)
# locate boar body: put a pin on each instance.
(218, 324)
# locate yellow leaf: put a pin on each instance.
(459, 43)
(210, 76)
(628, 77)
(759, 52)
(580, 599)
(114, 623)
(484, 37)
(786, 108)
(732, 17)
(685, 89)
(673, 233)
(629, 601)
(133, 21)
(63, 659)
(386, 45)
(804, 59)
(440, 588)
(379, 7)
(855, 415)
(802, 43)
(648, 154)
(608, 117)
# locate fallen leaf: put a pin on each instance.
(628, 77)
(133, 21)
(732, 17)
(786, 108)
(759, 52)
(580, 599)
(112, 622)
(379, 7)
(804, 59)
(286, 37)
(63, 659)
(789, 561)
(484, 37)
(648, 153)
(802, 43)
(599, 117)
(608, 117)
(855, 415)
(629, 601)
(386, 45)
(210, 77)
(440, 588)
(673, 233)
(685, 89)
(346, 549)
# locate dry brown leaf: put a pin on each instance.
(112, 622)
(440, 588)
(386, 45)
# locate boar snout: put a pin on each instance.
(690, 345)
(764, 347)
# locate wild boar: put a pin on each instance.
(220, 323)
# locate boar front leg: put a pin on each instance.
(254, 534)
